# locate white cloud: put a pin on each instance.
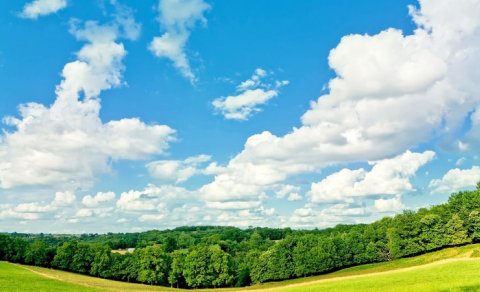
(177, 170)
(234, 205)
(309, 217)
(392, 92)
(101, 197)
(460, 161)
(152, 217)
(286, 190)
(33, 208)
(456, 180)
(38, 210)
(252, 94)
(66, 144)
(82, 213)
(177, 18)
(91, 214)
(389, 205)
(152, 198)
(63, 199)
(11, 214)
(294, 197)
(38, 8)
(387, 177)
(473, 137)
(348, 210)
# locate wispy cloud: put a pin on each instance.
(38, 8)
(177, 18)
(251, 93)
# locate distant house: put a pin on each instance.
(124, 251)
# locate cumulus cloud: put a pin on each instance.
(286, 190)
(251, 93)
(37, 210)
(66, 144)
(177, 170)
(294, 197)
(7, 213)
(152, 198)
(391, 93)
(389, 205)
(33, 208)
(177, 18)
(94, 201)
(63, 199)
(387, 177)
(456, 180)
(38, 8)
(82, 213)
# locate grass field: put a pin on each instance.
(450, 269)
(14, 278)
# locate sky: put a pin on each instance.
(124, 116)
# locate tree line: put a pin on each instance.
(206, 256)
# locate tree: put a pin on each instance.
(37, 254)
(305, 256)
(102, 262)
(82, 258)
(432, 232)
(208, 266)
(474, 225)
(5, 243)
(275, 264)
(221, 264)
(170, 244)
(176, 277)
(16, 249)
(153, 264)
(455, 231)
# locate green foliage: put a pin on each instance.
(152, 265)
(63, 256)
(208, 266)
(176, 277)
(275, 264)
(102, 261)
(455, 231)
(38, 254)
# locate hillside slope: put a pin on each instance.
(447, 269)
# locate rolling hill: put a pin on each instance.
(454, 268)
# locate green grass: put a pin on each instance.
(461, 275)
(26, 278)
(14, 278)
(455, 276)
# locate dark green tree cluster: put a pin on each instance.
(205, 256)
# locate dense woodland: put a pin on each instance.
(195, 257)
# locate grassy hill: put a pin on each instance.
(445, 270)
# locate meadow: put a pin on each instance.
(451, 269)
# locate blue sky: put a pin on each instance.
(126, 116)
